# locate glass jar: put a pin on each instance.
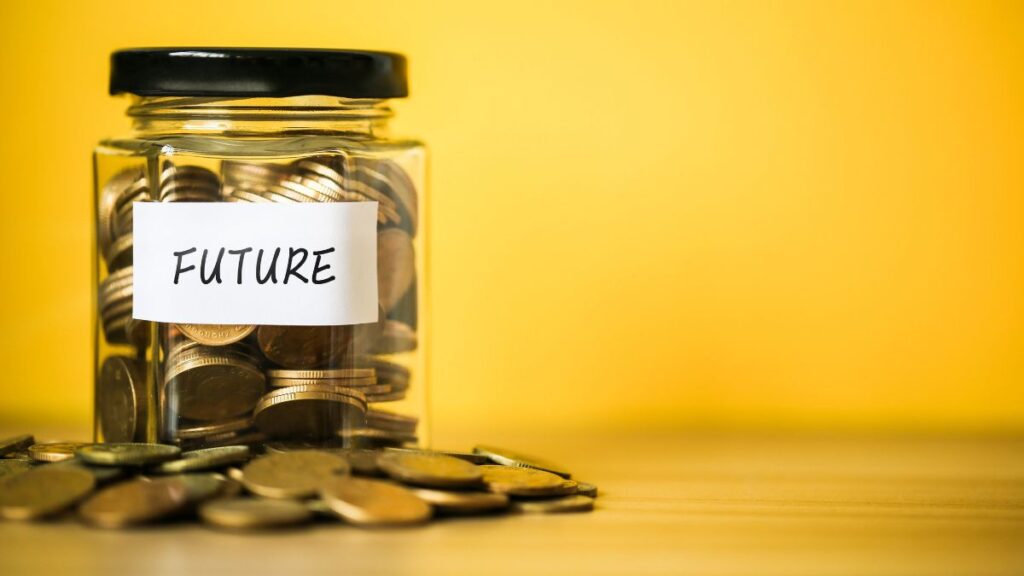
(260, 253)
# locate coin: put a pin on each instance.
(215, 429)
(304, 346)
(54, 451)
(426, 469)
(292, 474)
(16, 443)
(42, 491)
(119, 405)
(516, 481)
(134, 502)
(102, 474)
(370, 437)
(373, 503)
(510, 458)
(120, 252)
(462, 502)
(309, 411)
(396, 266)
(362, 461)
(395, 337)
(205, 459)
(127, 453)
(254, 513)
(360, 383)
(574, 503)
(586, 489)
(216, 334)
(199, 487)
(467, 456)
(384, 420)
(9, 466)
(213, 388)
(341, 373)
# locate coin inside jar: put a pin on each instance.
(253, 513)
(213, 387)
(309, 411)
(118, 399)
(304, 346)
(396, 266)
(216, 334)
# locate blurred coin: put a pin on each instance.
(574, 503)
(395, 337)
(516, 481)
(216, 334)
(16, 443)
(254, 513)
(134, 502)
(362, 461)
(341, 373)
(102, 474)
(510, 458)
(10, 466)
(42, 491)
(373, 502)
(205, 459)
(215, 429)
(119, 404)
(304, 346)
(54, 451)
(396, 265)
(127, 453)
(586, 489)
(371, 437)
(199, 487)
(292, 474)
(425, 469)
(467, 456)
(119, 254)
(384, 420)
(462, 502)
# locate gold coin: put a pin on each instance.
(426, 469)
(516, 481)
(134, 502)
(340, 382)
(120, 253)
(467, 456)
(297, 474)
(10, 466)
(253, 513)
(373, 502)
(309, 412)
(213, 388)
(16, 443)
(54, 451)
(107, 204)
(462, 502)
(396, 266)
(396, 337)
(370, 437)
(43, 491)
(204, 459)
(510, 458)
(304, 346)
(215, 429)
(586, 489)
(127, 453)
(340, 373)
(574, 503)
(200, 487)
(119, 404)
(216, 334)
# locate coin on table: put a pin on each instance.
(204, 459)
(120, 408)
(9, 466)
(586, 489)
(338, 373)
(426, 469)
(510, 458)
(54, 451)
(362, 461)
(216, 334)
(373, 502)
(462, 502)
(254, 513)
(128, 453)
(102, 474)
(214, 387)
(134, 502)
(43, 491)
(303, 346)
(200, 487)
(16, 443)
(574, 503)
(521, 481)
(292, 474)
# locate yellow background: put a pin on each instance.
(723, 214)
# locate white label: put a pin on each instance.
(301, 264)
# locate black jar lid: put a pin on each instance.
(257, 72)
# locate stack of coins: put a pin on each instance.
(127, 484)
(221, 384)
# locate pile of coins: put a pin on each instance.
(218, 385)
(121, 485)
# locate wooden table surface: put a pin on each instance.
(678, 503)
